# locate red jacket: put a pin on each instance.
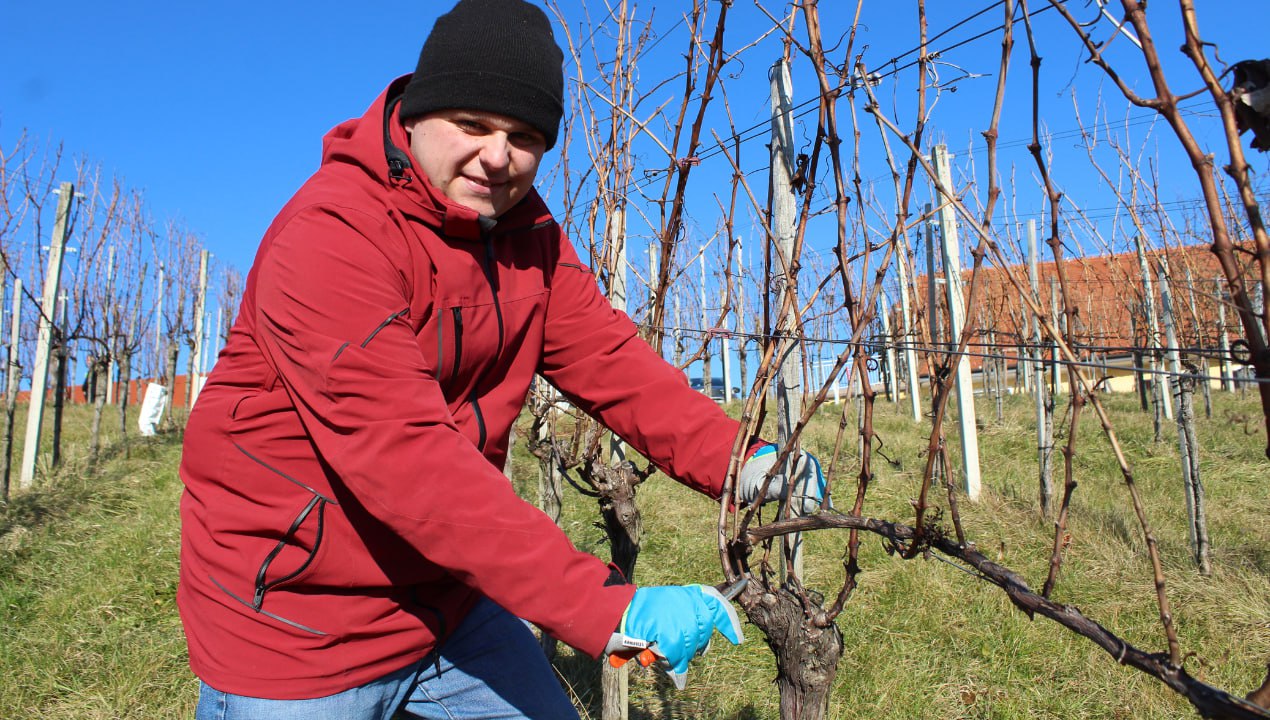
(344, 503)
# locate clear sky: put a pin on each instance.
(216, 110)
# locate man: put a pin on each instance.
(350, 547)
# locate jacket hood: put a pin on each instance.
(377, 144)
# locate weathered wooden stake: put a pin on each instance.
(550, 486)
(44, 342)
(743, 340)
(725, 359)
(889, 376)
(1024, 367)
(213, 346)
(1162, 398)
(956, 321)
(111, 329)
(615, 682)
(932, 293)
(1198, 339)
(998, 378)
(13, 380)
(1044, 403)
(784, 215)
(1059, 319)
(1223, 344)
(158, 333)
(1187, 441)
(910, 331)
(200, 328)
(678, 352)
(652, 278)
(707, 372)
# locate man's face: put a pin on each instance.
(480, 160)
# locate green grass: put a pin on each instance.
(88, 563)
(88, 566)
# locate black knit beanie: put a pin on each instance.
(494, 55)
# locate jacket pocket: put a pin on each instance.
(292, 555)
(449, 344)
(316, 507)
(457, 334)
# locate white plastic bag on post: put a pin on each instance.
(152, 407)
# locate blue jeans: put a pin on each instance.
(492, 668)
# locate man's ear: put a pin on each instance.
(410, 124)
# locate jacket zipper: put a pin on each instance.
(492, 278)
(440, 343)
(458, 341)
(261, 586)
(493, 283)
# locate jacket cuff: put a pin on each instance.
(615, 600)
(755, 445)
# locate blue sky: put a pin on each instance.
(216, 110)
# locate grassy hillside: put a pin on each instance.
(88, 625)
(88, 563)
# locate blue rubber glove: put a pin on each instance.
(809, 479)
(677, 622)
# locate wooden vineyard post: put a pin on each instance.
(1163, 402)
(1188, 444)
(13, 380)
(956, 321)
(44, 343)
(1044, 402)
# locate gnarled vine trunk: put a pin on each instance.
(807, 653)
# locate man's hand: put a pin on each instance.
(676, 622)
(808, 479)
